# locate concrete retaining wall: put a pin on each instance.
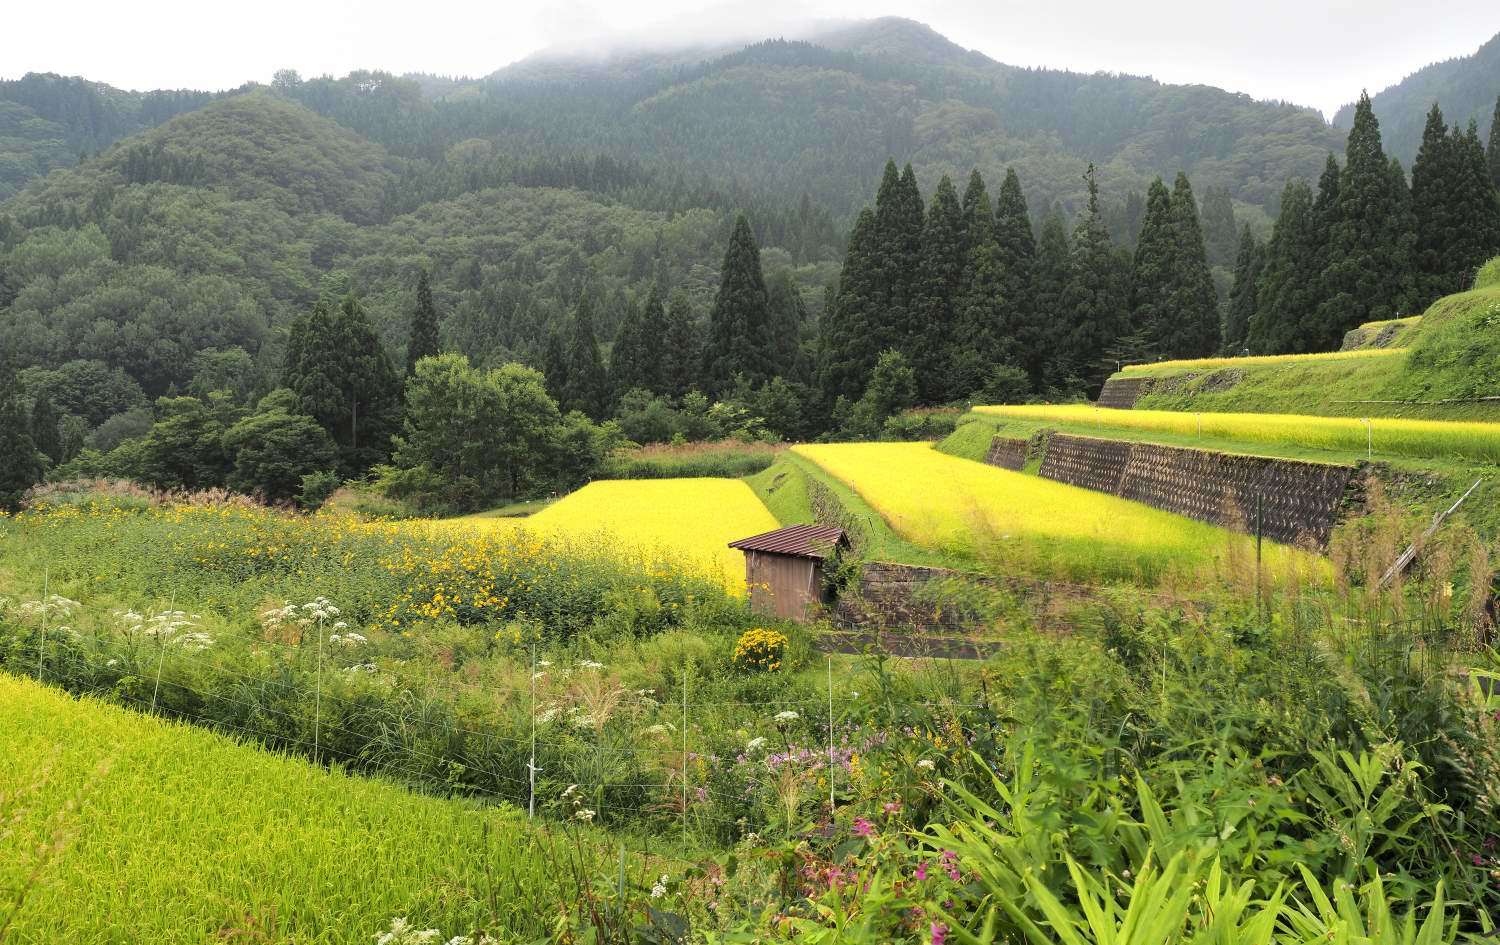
(1122, 392)
(1008, 452)
(1299, 501)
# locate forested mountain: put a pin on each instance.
(1465, 87)
(822, 116)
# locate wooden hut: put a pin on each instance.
(784, 568)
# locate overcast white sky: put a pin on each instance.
(1313, 52)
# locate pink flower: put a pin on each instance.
(950, 864)
(921, 874)
(939, 933)
(892, 808)
(863, 828)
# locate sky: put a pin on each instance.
(1310, 52)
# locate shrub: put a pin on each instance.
(760, 649)
(1488, 276)
(730, 459)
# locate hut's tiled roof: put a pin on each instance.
(802, 541)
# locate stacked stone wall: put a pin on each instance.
(1121, 393)
(1295, 501)
(1008, 452)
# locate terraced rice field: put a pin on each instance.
(178, 835)
(1422, 439)
(1045, 527)
(683, 522)
(1176, 367)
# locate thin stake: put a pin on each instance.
(685, 676)
(318, 695)
(531, 767)
(161, 651)
(41, 646)
(830, 736)
(1369, 439)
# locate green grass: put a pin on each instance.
(727, 459)
(1169, 368)
(181, 835)
(1368, 332)
(972, 437)
(1018, 522)
(515, 509)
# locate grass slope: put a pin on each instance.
(1017, 521)
(185, 836)
(687, 522)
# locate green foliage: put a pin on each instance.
(739, 324)
(584, 385)
(1455, 207)
(21, 463)
(932, 337)
(1287, 293)
(892, 389)
(423, 342)
(275, 450)
(1095, 302)
(185, 449)
(1488, 276)
(1249, 269)
(728, 459)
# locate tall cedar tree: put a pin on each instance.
(1287, 296)
(1221, 236)
(1247, 272)
(931, 335)
(46, 429)
(1096, 302)
(586, 387)
(424, 326)
(1494, 152)
(681, 349)
(1154, 266)
(846, 332)
(555, 364)
(899, 221)
(977, 344)
(1193, 329)
(1023, 329)
(1368, 274)
(632, 361)
(344, 379)
(788, 317)
(21, 463)
(739, 324)
(1053, 272)
(1481, 231)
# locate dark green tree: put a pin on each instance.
(46, 429)
(633, 361)
(1221, 236)
(1153, 269)
(977, 209)
(891, 389)
(423, 342)
(1247, 273)
(555, 364)
(788, 317)
(1287, 295)
(739, 322)
(1096, 301)
(681, 348)
(1367, 276)
(931, 336)
(1192, 331)
(899, 222)
(275, 447)
(586, 385)
(1053, 272)
(1022, 326)
(1494, 148)
(847, 348)
(185, 448)
(343, 378)
(1479, 237)
(21, 463)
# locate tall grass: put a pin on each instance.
(727, 458)
(1026, 522)
(1425, 439)
(1189, 364)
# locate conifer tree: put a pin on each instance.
(1192, 331)
(586, 387)
(977, 341)
(899, 221)
(45, 429)
(1287, 296)
(1053, 272)
(423, 342)
(977, 208)
(344, 379)
(847, 348)
(787, 319)
(21, 463)
(1096, 301)
(738, 323)
(555, 364)
(681, 350)
(1154, 265)
(1247, 272)
(1022, 328)
(632, 360)
(1436, 181)
(1494, 151)
(1482, 232)
(1368, 273)
(932, 334)
(1221, 236)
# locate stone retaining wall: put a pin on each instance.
(1008, 452)
(1121, 393)
(1299, 501)
(891, 595)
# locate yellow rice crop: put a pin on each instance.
(1171, 367)
(965, 507)
(1434, 439)
(688, 522)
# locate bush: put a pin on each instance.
(760, 649)
(729, 459)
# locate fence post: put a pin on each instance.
(687, 674)
(161, 653)
(830, 737)
(318, 695)
(41, 646)
(531, 768)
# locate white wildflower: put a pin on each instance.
(403, 932)
(926, 764)
(569, 792)
(584, 814)
(657, 729)
(787, 716)
(546, 717)
(755, 744)
(536, 676)
(854, 695)
(659, 889)
(544, 662)
(590, 664)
